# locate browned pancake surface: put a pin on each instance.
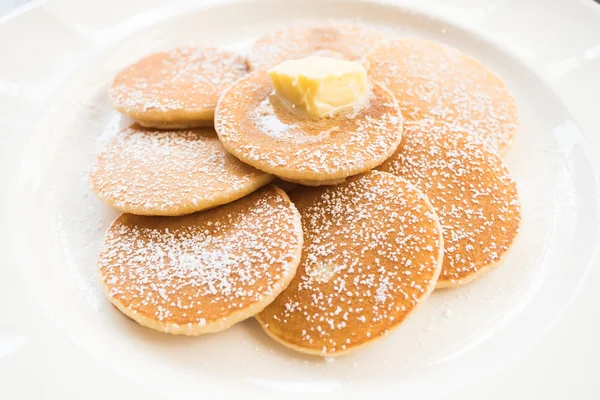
(472, 191)
(178, 87)
(337, 40)
(256, 127)
(431, 80)
(372, 251)
(202, 272)
(155, 172)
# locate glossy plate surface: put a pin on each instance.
(59, 331)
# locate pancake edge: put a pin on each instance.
(191, 208)
(475, 275)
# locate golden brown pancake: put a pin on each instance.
(431, 80)
(336, 40)
(317, 183)
(152, 172)
(203, 272)
(372, 252)
(254, 125)
(176, 89)
(284, 185)
(472, 191)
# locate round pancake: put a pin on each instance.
(254, 125)
(372, 252)
(472, 191)
(176, 89)
(203, 272)
(336, 40)
(151, 172)
(431, 80)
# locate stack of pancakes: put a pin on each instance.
(384, 204)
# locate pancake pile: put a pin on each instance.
(330, 230)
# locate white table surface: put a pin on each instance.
(8, 5)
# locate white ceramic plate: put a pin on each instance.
(57, 59)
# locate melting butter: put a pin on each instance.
(320, 86)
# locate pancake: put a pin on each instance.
(176, 89)
(336, 40)
(372, 253)
(254, 125)
(472, 191)
(203, 272)
(151, 172)
(317, 183)
(431, 80)
(284, 185)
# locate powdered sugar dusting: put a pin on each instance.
(295, 147)
(334, 39)
(152, 172)
(431, 80)
(203, 267)
(269, 123)
(372, 252)
(180, 79)
(470, 188)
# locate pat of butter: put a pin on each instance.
(320, 86)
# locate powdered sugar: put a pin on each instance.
(203, 267)
(155, 172)
(296, 147)
(431, 80)
(472, 191)
(336, 40)
(361, 239)
(269, 123)
(180, 79)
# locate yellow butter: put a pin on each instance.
(320, 86)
